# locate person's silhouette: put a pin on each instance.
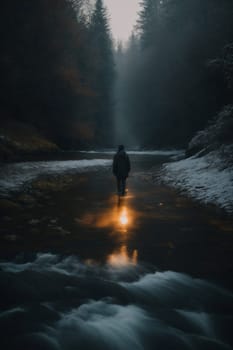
(121, 169)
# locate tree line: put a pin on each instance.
(173, 75)
(57, 69)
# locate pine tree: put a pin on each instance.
(148, 21)
(103, 66)
(101, 40)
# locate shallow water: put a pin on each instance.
(124, 275)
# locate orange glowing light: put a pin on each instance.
(118, 216)
(122, 258)
(124, 218)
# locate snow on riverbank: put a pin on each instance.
(14, 176)
(208, 178)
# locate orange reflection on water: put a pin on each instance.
(119, 216)
(124, 217)
(122, 257)
(119, 219)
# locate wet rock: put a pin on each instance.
(79, 199)
(7, 218)
(26, 199)
(62, 231)
(35, 231)
(11, 237)
(52, 185)
(6, 205)
(34, 221)
(171, 245)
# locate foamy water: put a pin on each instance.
(52, 302)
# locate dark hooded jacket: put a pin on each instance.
(121, 164)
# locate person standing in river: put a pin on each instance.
(121, 169)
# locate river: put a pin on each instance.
(84, 269)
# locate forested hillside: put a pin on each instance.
(176, 72)
(62, 74)
(57, 69)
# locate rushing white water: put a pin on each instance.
(60, 303)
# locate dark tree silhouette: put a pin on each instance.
(173, 88)
(56, 68)
(102, 71)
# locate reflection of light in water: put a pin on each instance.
(124, 217)
(118, 216)
(122, 258)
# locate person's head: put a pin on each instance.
(121, 148)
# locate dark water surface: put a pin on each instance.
(83, 269)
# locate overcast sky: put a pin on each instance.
(123, 14)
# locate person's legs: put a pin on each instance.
(123, 186)
(118, 185)
(121, 183)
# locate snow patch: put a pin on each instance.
(208, 178)
(14, 176)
